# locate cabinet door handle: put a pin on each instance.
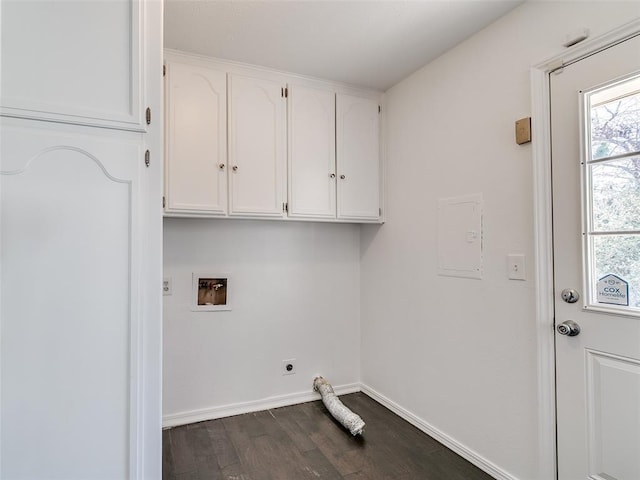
(235, 168)
(342, 177)
(332, 175)
(221, 166)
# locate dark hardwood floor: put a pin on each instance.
(305, 442)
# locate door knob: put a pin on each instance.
(568, 328)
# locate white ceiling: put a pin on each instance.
(362, 42)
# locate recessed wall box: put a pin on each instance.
(460, 236)
(211, 292)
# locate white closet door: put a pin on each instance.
(312, 152)
(74, 61)
(196, 130)
(257, 146)
(69, 307)
(358, 159)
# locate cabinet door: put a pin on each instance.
(256, 147)
(74, 62)
(73, 293)
(312, 157)
(358, 160)
(196, 132)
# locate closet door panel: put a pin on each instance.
(78, 61)
(69, 309)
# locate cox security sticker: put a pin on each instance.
(613, 290)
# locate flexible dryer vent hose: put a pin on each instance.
(341, 413)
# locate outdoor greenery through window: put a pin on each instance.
(613, 195)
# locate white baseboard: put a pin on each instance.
(449, 442)
(211, 413)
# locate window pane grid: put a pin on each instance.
(612, 194)
(614, 124)
(615, 157)
(606, 253)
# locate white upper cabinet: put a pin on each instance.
(230, 130)
(257, 146)
(78, 62)
(312, 152)
(333, 145)
(358, 158)
(196, 140)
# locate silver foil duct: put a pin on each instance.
(346, 417)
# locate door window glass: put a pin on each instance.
(612, 195)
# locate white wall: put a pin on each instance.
(460, 354)
(295, 290)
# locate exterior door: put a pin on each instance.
(595, 121)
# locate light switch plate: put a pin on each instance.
(516, 267)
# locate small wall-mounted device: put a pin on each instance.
(523, 130)
(576, 36)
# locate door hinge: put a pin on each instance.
(379, 212)
(379, 109)
(148, 116)
(164, 202)
(286, 92)
(164, 70)
(282, 92)
(147, 158)
(285, 207)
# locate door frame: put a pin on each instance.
(543, 237)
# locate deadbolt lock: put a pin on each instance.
(570, 295)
